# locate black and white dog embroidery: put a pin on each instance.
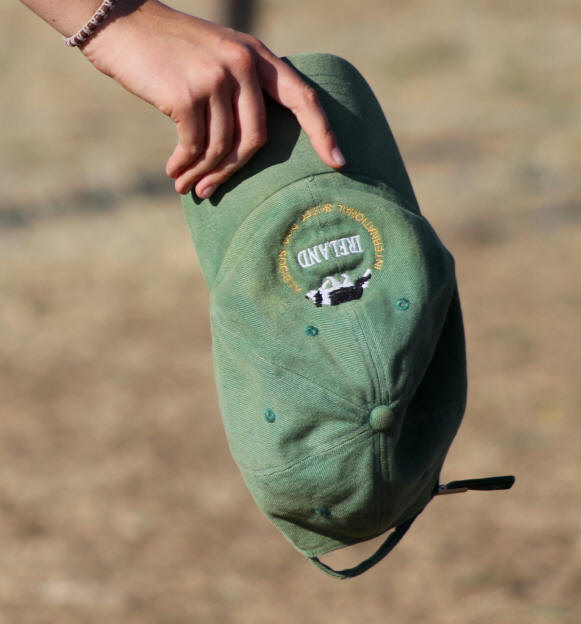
(333, 292)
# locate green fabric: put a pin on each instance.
(331, 297)
(365, 139)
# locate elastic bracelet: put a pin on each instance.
(91, 26)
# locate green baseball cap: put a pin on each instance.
(337, 332)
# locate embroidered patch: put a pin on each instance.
(333, 292)
(329, 251)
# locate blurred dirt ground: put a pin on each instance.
(119, 501)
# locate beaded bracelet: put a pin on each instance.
(91, 26)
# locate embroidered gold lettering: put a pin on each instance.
(373, 232)
(293, 228)
(285, 273)
(315, 211)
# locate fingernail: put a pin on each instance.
(338, 157)
(208, 191)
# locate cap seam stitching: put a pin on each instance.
(362, 336)
(326, 451)
(386, 483)
(378, 476)
(288, 370)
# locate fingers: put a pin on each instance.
(220, 140)
(251, 132)
(285, 86)
(191, 129)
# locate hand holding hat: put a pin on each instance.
(210, 81)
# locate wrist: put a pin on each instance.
(92, 25)
(119, 13)
(126, 16)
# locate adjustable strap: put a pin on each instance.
(489, 483)
(387, 546)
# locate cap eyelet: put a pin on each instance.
(402, 304)
(323, 512)
(269, 416)
(311, 330)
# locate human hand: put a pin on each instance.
(209, 80)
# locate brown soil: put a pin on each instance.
(119, 501)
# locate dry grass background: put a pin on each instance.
(118, 499)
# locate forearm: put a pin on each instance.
(70, 19)
(66, 16)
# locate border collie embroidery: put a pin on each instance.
(333, 292)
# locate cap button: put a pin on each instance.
(381, 418)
